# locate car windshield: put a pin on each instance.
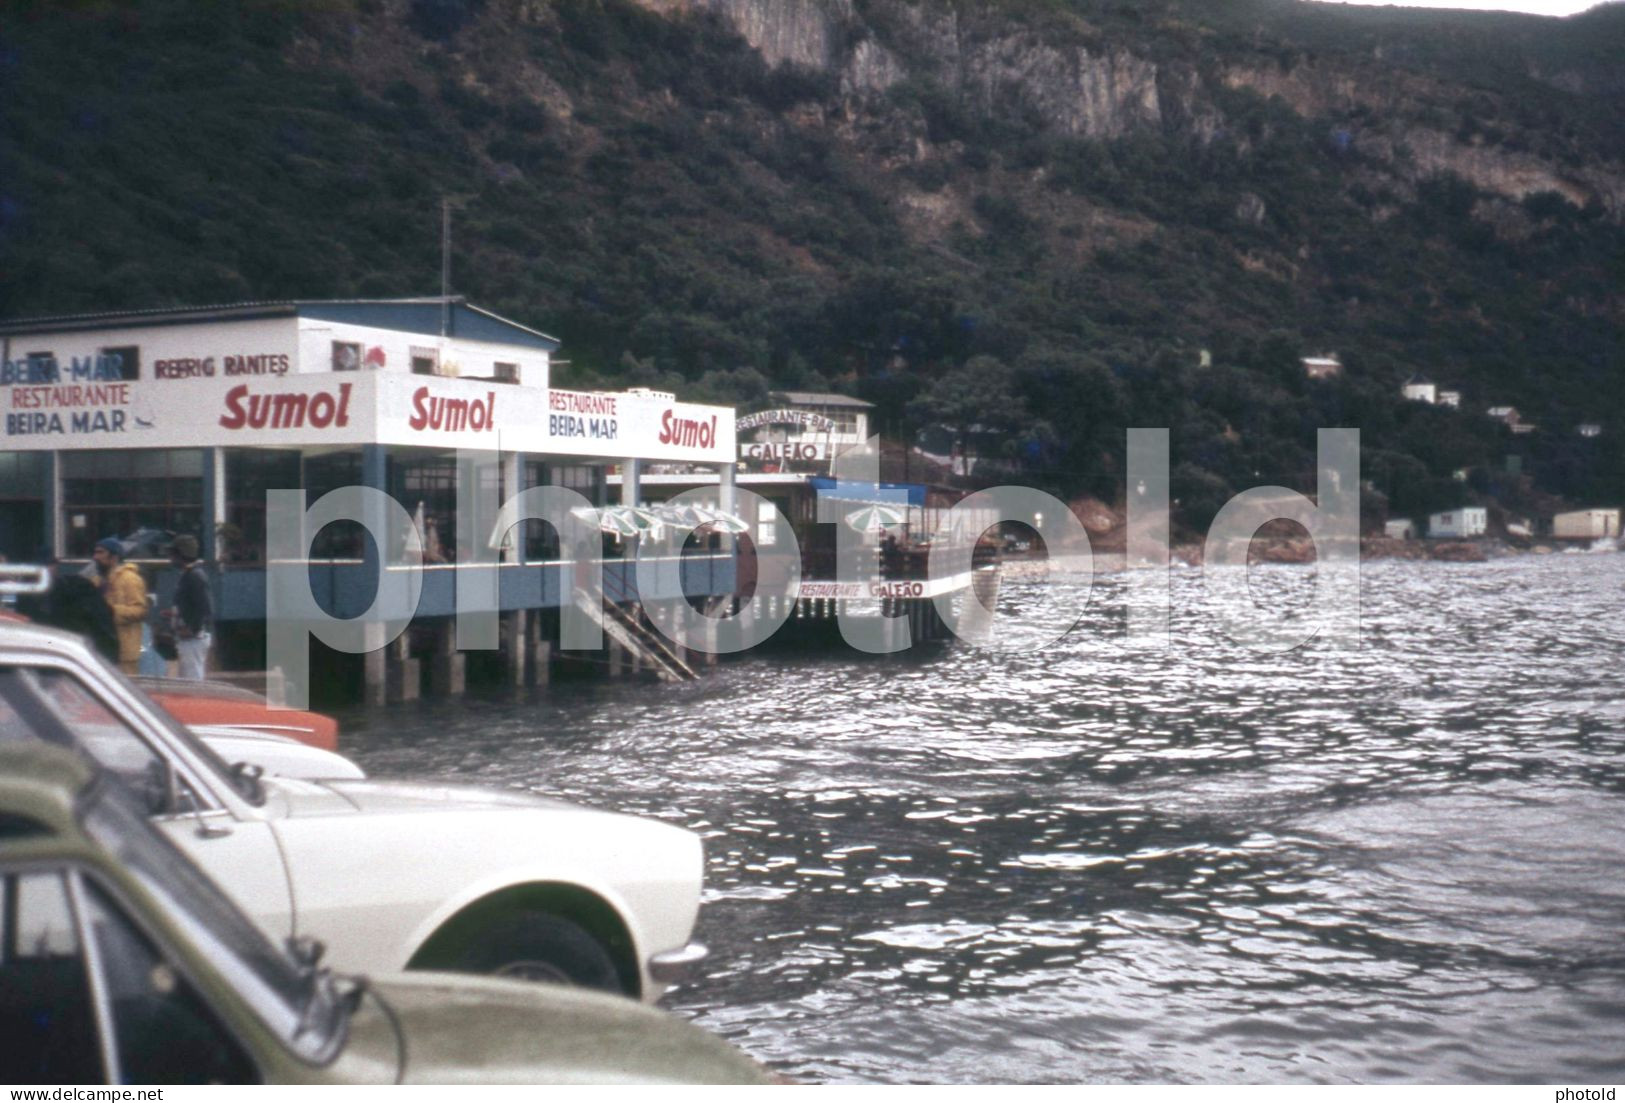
(56, 706)
(291, 1000)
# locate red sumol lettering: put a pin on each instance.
(420, 412)
(289, 411)
(665, 427)
(234, 416)
(322, 408)
(343, 417)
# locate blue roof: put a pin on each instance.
(402, 315)
(854, 491)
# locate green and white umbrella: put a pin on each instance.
(875, 518)
(613, 520)
(696, 516)
(723, 522)
(646, 521)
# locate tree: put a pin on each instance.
(977, 402)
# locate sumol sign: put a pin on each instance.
(1332, 616)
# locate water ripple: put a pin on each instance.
(1394, 862)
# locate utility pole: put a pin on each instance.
(445, 267)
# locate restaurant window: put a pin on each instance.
(41, 367)
(426, 486)
(119, 362)
(24, 482)
(425, 361)
(250, 472)
(505, 373)
(346, 356)
(328, 472)
(147, 494)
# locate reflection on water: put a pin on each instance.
(1396, 862)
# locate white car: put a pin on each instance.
(389, 876)
(277, 755)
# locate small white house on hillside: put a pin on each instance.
(1459, 523)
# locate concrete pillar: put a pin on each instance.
(405, 673)
(52, 537)
(375, 677)
(446, 671)
(517, 660)
(381, 680)
(541, 654)
(376, 668)
(727, 500)
(214, 502)
(631, 481)
(617, 659)
(513, 482)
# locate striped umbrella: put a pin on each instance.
(646, 521)
(875, 518)
(610, 520)
(723, 522)
(696, 516)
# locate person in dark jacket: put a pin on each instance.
(74, 604)
(193, 614)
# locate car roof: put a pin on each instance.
(42, 784)
(16, 636)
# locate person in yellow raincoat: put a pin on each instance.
(126, 595)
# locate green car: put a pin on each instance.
(121, 962)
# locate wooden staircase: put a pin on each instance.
(625, 626)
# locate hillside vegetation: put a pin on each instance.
(1021, 220)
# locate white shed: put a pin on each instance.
(1402, 529)
(1459, 523)
(1419, 388)
(1586, 524)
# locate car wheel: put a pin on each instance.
(538, 947)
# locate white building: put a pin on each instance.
(1450, 398)
(1586, 524)
(1459, 523)
(803, 431)
(1589, 429)
(1322, 367)
(1401, 529)
(1419, 388)
(179, 420)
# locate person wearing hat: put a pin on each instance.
(126, 595)
(193, 613)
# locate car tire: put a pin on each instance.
(538, 947)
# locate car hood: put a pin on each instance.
(277, 755)
(301, 797)
(461, 1029)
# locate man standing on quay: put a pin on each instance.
(193, 615)
(126, 595)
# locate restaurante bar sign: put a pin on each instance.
(805, 419)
